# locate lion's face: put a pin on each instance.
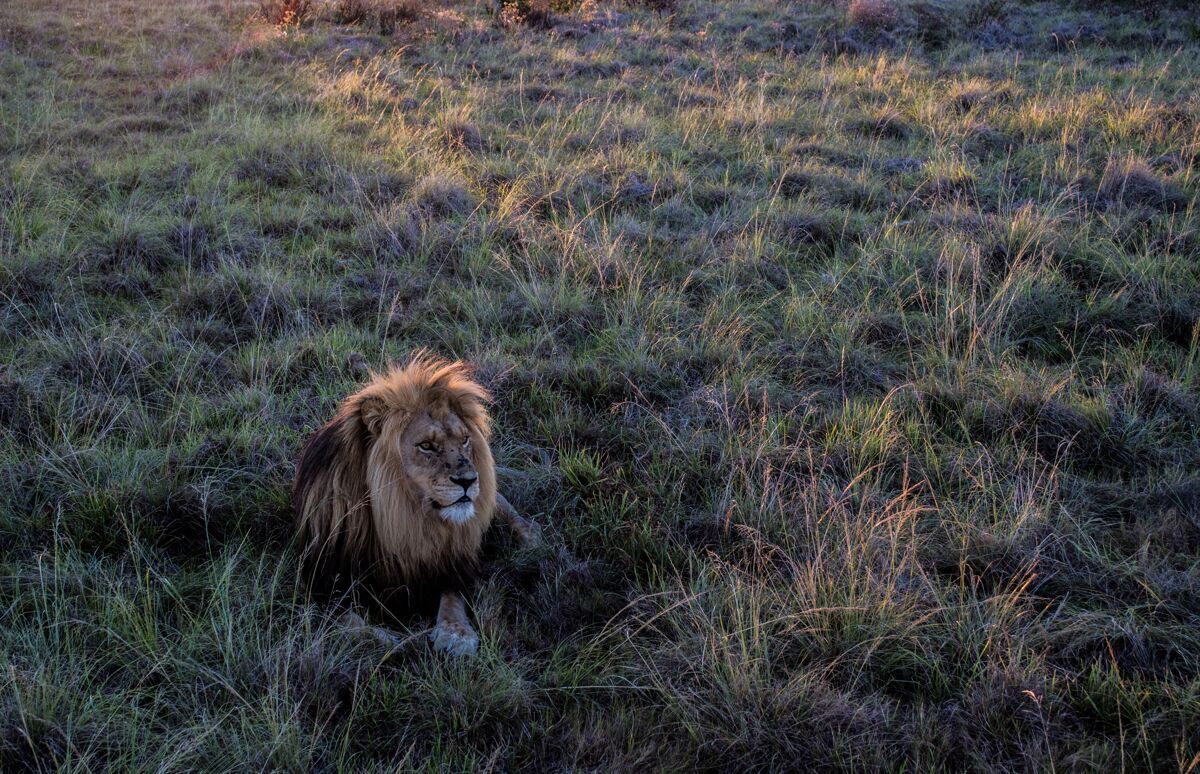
(437, 457)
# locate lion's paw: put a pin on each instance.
(356, 625)
(455, 638)
(529, 534)
(532, 539)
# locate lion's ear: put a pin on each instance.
(373, 411)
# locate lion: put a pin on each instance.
(394, 494)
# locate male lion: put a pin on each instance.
(393, 495)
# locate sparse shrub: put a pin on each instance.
(287, 13)
(872, 14)
(530, 13)
(541, 14)
(537, 11)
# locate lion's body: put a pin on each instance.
(367, 507)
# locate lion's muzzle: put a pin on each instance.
(457, 503)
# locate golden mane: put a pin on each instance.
(357, 519)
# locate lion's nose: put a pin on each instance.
(465, 481)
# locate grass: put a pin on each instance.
(850, 371)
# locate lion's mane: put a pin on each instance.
(358, 525)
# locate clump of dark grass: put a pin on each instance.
(872, 14)
(934, 24)
(442, 197)
(827, 230)
(887, 123)
(980, 12)
(1134, 183)
(464, 135)
(661, 6)
(383, 15)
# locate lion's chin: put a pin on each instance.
(458, 513)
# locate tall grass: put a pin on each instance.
(846, 360)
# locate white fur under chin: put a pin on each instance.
(458, 513)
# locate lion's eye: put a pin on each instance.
(426, 446)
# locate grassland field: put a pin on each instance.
(846, 355)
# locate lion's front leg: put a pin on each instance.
(453, 632)
(525, 530)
